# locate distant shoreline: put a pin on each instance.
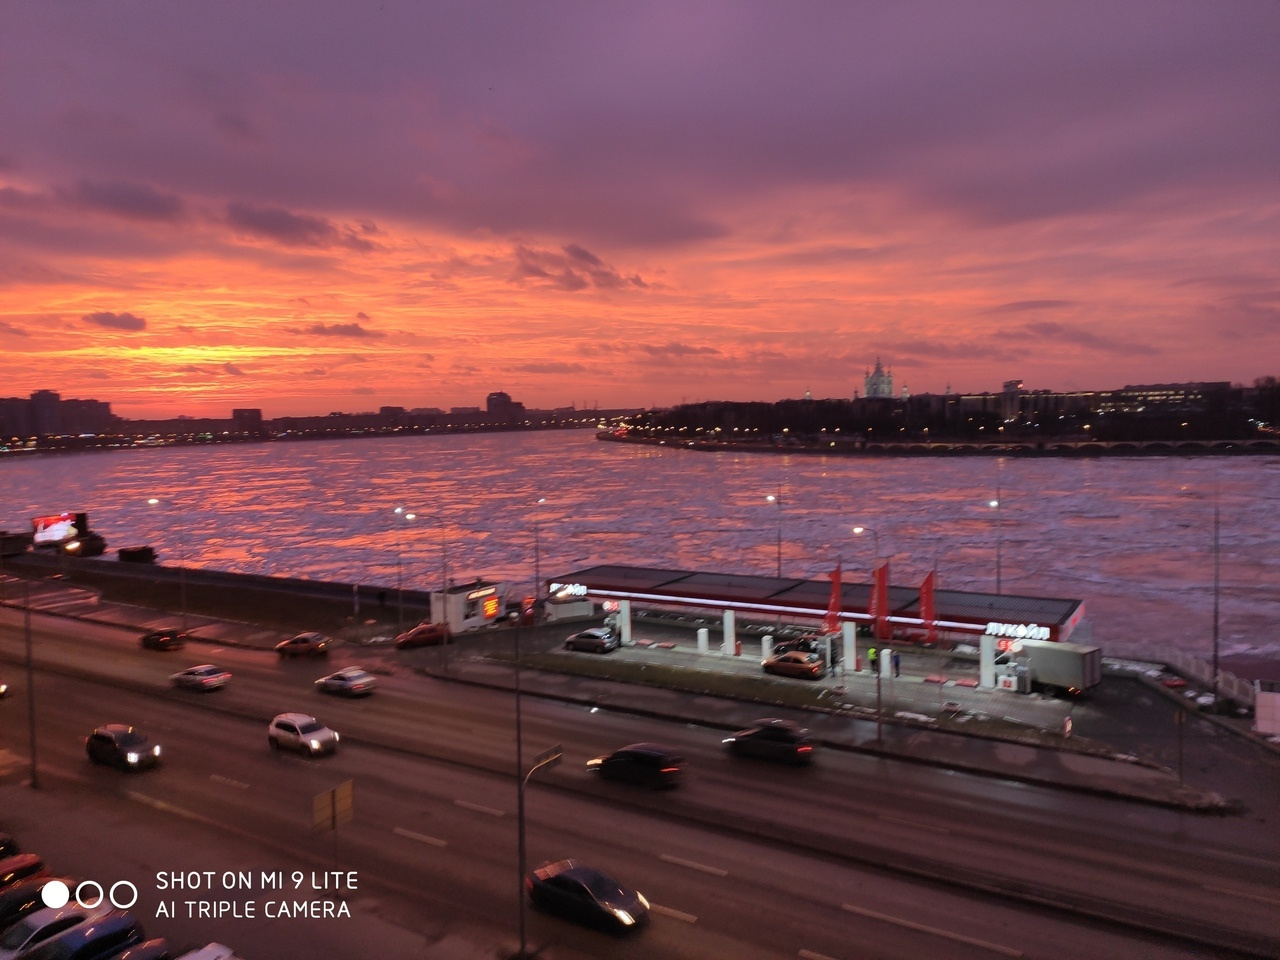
(1043, 447)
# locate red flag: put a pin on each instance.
(880, 602)
(831, 622)
(927, 612)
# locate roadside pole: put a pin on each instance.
(31, 682)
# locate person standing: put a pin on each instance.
(897, 664)
(874, 658)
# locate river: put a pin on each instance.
(1132, 537)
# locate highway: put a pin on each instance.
(769, 861)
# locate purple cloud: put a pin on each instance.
(116, 321)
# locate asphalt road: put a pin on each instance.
(220, 768)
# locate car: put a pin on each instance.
(305, 645)
(23, 897)
(298, 731)
(594, 640)
(803, 666)
(772, 739)
(35, 928)
(578, 892)
(644, 764)
(157, 949)
(349, 682)
(120, 745)
(210, 951)
(19, 867)
(423, 635)
(203, 677)
(99, 938)
(163, 640)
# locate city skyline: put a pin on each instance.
(203, 210)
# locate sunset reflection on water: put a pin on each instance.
(1132, 537)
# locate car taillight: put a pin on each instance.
(670, 769)
(528, 884)
(804, 749)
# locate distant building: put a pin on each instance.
(878, 383)
(46, 414)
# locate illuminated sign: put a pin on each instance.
(482, 592)
(611, 606)
(1018, 631)
(58, 528)
(569, 589)
(490, 607)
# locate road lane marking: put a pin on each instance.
(1239, 893)
(933, 931)
(479, 808)
(673, 914)
(692, 865)
(911, 823)
(810, 955)
(218, 778)
(420, 837)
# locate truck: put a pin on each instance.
(1059, 667)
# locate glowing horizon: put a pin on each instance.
(423, 203)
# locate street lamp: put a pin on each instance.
(182, 564)
(537, 556)
(996, 505)
(875, 541)
(772, 498)
(875, 545)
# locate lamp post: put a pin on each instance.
(996, 505)
(537, 556)
(31, 682)
(875, 545)
(182, 565)
(777, 499)
(441, 615)
(1216, 584)
(400, 512)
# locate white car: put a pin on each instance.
(203, 677)
(349, 682)
(35, 928)
(297, 731)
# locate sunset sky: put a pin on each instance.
(316, 206)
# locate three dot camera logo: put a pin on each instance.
(89, 894)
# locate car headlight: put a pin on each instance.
(640, 897)
(131, 757)
(336, 738)
(623, 916)
(315, 744)
(155, 751)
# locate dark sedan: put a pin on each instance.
(21, 898)
(120, 745)
(772, 739)
(581, 893)
(803, 666)
(644, 764)
(99, 939)
(163, 640)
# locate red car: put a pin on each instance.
(20, 867)
(423, 635)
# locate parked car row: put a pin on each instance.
(41, 918)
